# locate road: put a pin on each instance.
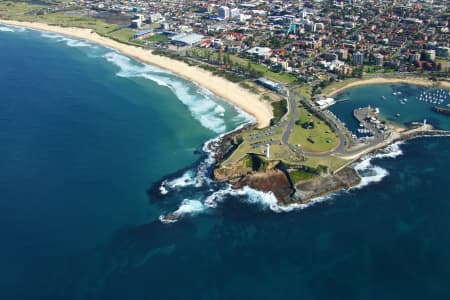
(342, 149)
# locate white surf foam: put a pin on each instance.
(187, 208)
(187, 179)
(11, 28)
(69, 41)
(163, 189)
(6, 29)
(198, 100)
(371, 173)
(190, 207)
(265, 200)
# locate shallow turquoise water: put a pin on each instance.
(82, 142)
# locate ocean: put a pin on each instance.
(95, 146)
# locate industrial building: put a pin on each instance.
(271, 85)
(186, 39)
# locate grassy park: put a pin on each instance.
(311, 134)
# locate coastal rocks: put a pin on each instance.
(323, 185)
(257, 174)
(275, 181)
(223, 146)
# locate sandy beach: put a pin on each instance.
(380, 80)
(221, 87)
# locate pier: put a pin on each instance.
(370, 123)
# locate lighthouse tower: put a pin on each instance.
(267, 151)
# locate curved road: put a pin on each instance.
(293, 114)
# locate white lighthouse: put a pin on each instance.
(267, 151)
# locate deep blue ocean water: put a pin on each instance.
(87, 136)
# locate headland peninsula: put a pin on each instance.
(298, 149)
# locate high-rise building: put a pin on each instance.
(379, 59)
(224, 12)
(342, 54)
(414, 57)
(358, 58)
(430, 55)
(443, 52)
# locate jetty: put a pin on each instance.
(442, 110)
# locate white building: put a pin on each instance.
(156, 17)
(324, 103)
(224, 12)
(235, 13)
(358, 58)
(260, 51)
(186, 39)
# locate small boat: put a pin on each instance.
(397, 115)
(383, 97)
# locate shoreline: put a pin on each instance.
(382, 80)
(224, 89)
(291, 195)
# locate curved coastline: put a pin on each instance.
(227, 90)
(382, 80)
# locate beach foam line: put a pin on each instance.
(6, 29)
(11, 28)
(224, 89)
(199, 101)
(69, 41)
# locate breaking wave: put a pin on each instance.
(198, 100)
(217, 194)
(201, 103)
(371, 173)
(11, 28)
(187, 207)
(6, 29)
(69, 42)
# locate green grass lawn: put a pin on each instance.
(332, 162)
(318, 139)
(299, 175)
(157, 38)
(14, 10)
(285, 78)
(123, 35)
(33, 13)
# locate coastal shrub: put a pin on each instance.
(279, 110)
(255, 163)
